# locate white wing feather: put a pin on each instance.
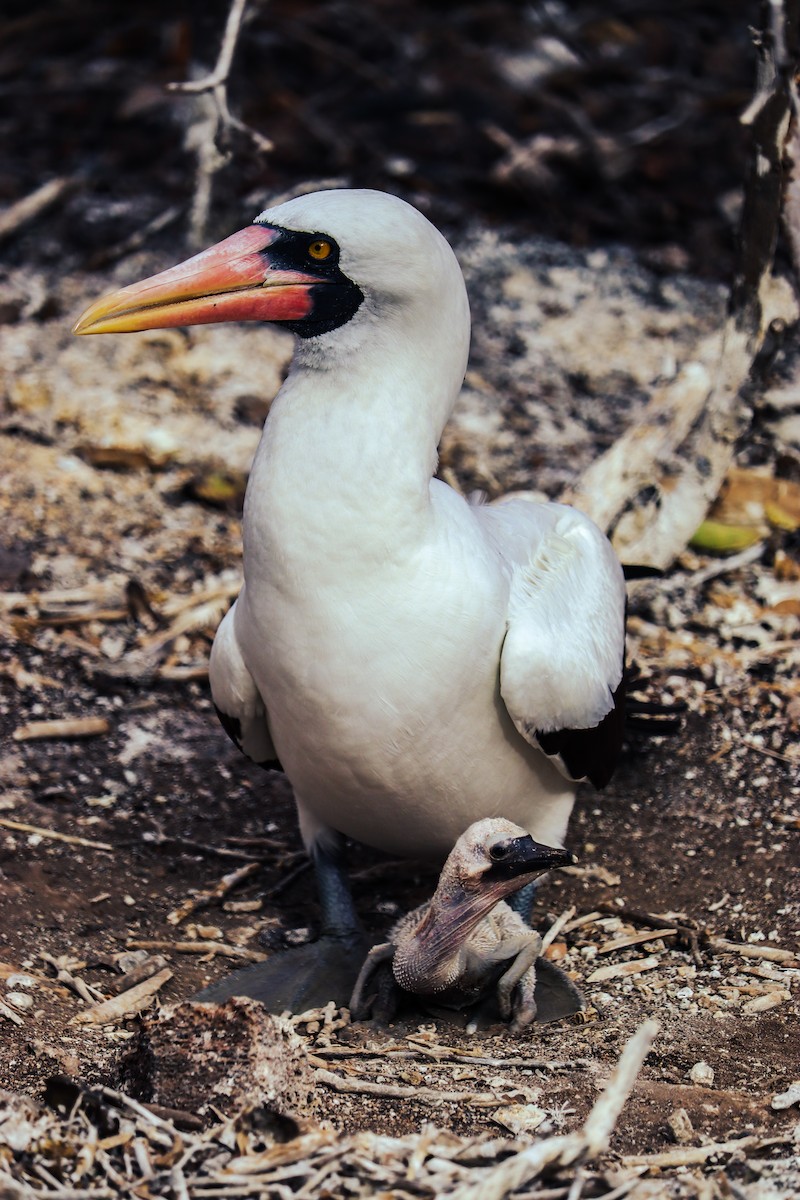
(563, 653)
(236, 696)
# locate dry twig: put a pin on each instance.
(127, 1004)
(64, 975)
(772, 953)
(218, 892)
(23, 211)
(52, 834)
(688, 1156)
(69, 727)
(397, 1091)
(210, 135)
(199, 947)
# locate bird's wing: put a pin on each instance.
(562, 662)
(237, 700)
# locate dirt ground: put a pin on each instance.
(123, 470)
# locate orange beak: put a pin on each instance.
(232, 281)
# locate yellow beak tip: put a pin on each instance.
(86, 322)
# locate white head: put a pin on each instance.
(345, 270)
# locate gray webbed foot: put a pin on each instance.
(308, 976)
(298, 979)
(556, 995)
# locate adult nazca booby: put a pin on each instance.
(414, 662)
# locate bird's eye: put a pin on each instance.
(319, 249)
(498, 853)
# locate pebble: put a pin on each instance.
(18, 980)
(520, 1118)
(19, 999)
(702, 1074)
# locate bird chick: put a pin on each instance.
(466, 940)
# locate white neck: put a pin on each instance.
(343, 470)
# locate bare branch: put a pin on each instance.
(652, 489)
(222, 70)
(209, 135)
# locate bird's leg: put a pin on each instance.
(526, 951)
(516, 989)
(556, 994)
(339, 917)
(311, 975)
(525, 1008)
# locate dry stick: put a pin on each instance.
(444, 1056)
(71, 981)
(666, 926)
(217, 123)
(688, 1156)
(23, 827)
(218, 892)
(160, 839)
(635, 939)
(199, 947)
(586, 919)
(59, 1193)
(619, 970)
(146, 970)
(70, 727)
(120, 1101)
(23, 211)
(771, 953)
(127, 1004)
(568, 1149)
(556, 928)
(396, 1091)
(177, 1183)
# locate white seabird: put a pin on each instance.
(414, 662)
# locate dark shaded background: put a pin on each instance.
(640, 101)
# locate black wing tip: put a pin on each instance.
(271, 764)
(593, 753)
(231, 725)
(233, 728)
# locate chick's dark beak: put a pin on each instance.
(513, 857)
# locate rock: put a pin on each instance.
(681, 1126)
(702, 1074)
